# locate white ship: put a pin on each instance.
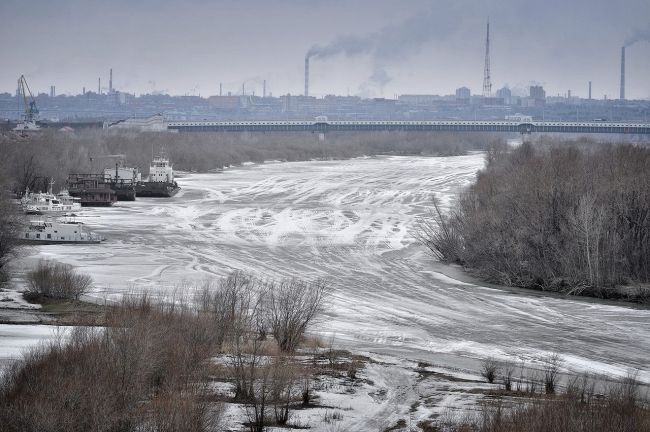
(47, 232)
(47, 203)
(26, 126)
(161, 181)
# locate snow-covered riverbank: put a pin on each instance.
(351, 222)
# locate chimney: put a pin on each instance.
(623, 73)
(83, 90)
(99, 85)
(110, 81)
(220, 89)
(264, 89)
(589, 90)
(52, 91)
(306, 76)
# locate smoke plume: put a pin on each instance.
(388, 45)
(638, 36)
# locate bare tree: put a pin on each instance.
(588, 220)
(508, 370)
(291, 305)
(552, 365)
(489, 369)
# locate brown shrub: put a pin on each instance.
(57, 281)
(140, 372)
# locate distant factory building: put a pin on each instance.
(505, 94)
(536, 97)
(418, 99)
(463, 94)
(537, 93)
(224, 102)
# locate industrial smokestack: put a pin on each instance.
(623, 73)
(264, 89)
(110, 81)
(589, 90)
(99, 85)
(220, 89)
(307, 76)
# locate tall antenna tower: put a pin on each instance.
(487, 82)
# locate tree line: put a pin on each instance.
(30, 163)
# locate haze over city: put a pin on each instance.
(373, 48)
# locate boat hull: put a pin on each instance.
(156, 189)
(59, 242)
(125, 194)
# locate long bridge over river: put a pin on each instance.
(323, 126)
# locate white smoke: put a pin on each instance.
(638, 36)
(388, 45)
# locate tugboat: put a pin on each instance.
(47, 232)
(160, 183)
(123, 181)
(48, 203)
(93, 190)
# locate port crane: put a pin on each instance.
(30, 110)
(116, 156)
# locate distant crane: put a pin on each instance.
(117, 156)
(30, 110)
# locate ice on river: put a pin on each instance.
(351, 222)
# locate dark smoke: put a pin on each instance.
(388, 45)
(638, 36)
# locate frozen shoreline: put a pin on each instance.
(350, 222)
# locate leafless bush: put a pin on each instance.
(332, 416)
(489, 369)
(141, 372)
(57, 281)
(259, 401)
(285, 376)
(440, 234)
(233, 306)
(552, 365)
(291, 306)
(508, 370)
(305, 389)
(581, 388)
(619, 410)
(353, 368)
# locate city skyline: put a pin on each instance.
(378, 51)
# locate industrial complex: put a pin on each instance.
(112, 106)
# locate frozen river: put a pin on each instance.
(351, 222)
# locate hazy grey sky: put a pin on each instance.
(402, 46)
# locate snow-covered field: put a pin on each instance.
(351, 222)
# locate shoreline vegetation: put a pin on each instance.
(53, 154)
(571, 218)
